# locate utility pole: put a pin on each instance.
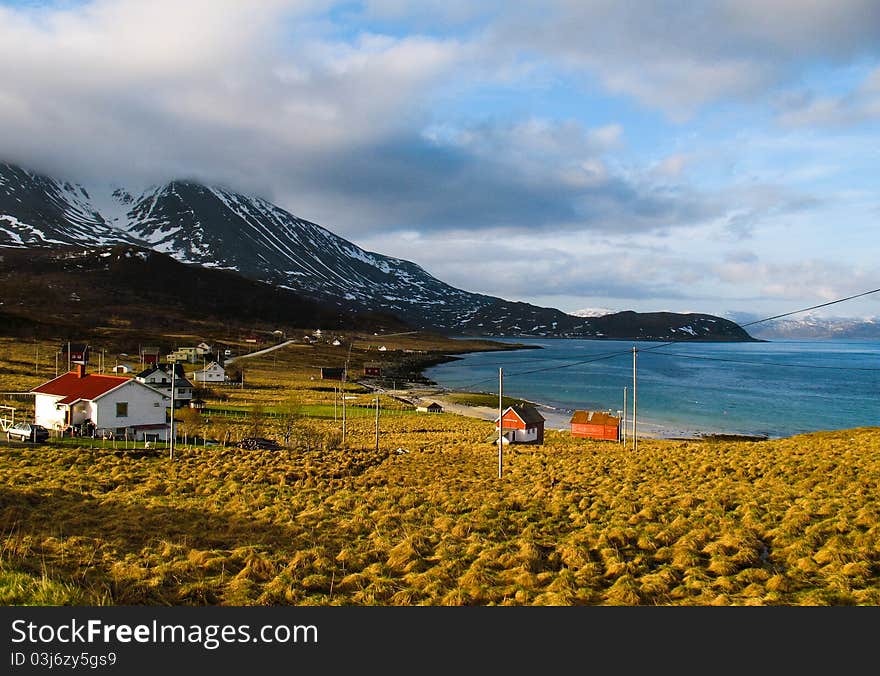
(500, 421)
(342, 394)
(36, 357)
(335, 398)
(377, 422)
(342, 390)
(623, 425)
(171, 443)
(635, 432)
(56, 364)
(68, 355)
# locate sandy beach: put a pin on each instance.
(556, 419)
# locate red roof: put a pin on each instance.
(72, 387)
(593, 418)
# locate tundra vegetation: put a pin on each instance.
(424, 519)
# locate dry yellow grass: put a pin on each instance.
(784, 522)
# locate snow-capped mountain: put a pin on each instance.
(216, 227)
(592, 312)
(37, 210)
(813, 326)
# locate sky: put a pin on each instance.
(716, 157)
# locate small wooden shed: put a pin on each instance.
(595, 425)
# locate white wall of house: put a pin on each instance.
(526, 435)
(145, 407)
(212, 374)
(48, 413)
(161, 381)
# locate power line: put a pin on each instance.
(815, 307)
(609, 355)
(668, 343)
(765, 363)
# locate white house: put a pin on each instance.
(122, 369)
(120, 405)
(159, 377)
(212, 373)
(522, 424)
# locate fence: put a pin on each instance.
(18, 396)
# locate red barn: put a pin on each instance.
(150, 355)
(522, 424)
(595, 425)
(372, 368)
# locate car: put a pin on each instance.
(25, 431)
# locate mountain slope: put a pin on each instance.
(77, 290)
(37, 210)
(215, 227)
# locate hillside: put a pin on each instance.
(215, 227)
(70, 292)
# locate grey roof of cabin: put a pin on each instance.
(528, 414)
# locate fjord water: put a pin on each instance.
(774, 388)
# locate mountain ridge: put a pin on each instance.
(215, 227)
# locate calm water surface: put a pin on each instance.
(778, 388)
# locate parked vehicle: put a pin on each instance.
(25, 431)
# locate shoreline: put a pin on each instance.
(556, 418)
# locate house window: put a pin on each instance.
(155, 404)
(121, 409)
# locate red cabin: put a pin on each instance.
(595, 425)
(522, 424)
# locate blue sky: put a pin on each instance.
(572, 153)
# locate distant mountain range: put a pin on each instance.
(810, 326)
(214, 227)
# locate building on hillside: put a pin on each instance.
(595, 425)
(150, 354)
(187, 354)
(332, 373)
(433, 407)
(372, 368)
(76, 353)
(121, 406)
(522, 425)
(212, 373)
(122, 369)
(159, 378)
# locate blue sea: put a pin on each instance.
(775, 389)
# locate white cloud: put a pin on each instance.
(806, 109)
(678, 56)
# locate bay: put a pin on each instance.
(774, 389)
